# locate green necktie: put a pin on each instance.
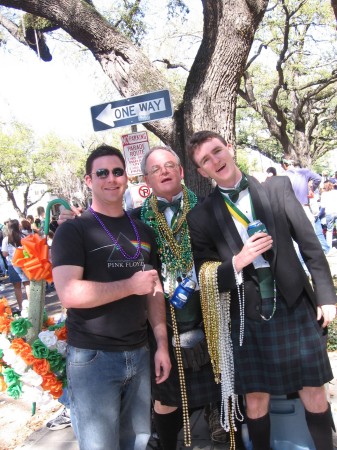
(175, 205)
(233, 194)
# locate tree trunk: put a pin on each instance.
(211, 89)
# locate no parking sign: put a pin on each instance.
(135, 145)
(136, 194)
(144, 191)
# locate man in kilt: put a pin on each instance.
(278, 318)
(191, 383)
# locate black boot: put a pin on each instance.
(212, 417)
(259, 432)
(320, 426)
(239, 445)
(168, 427)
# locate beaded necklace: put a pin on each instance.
(114, 240)
(175, 252)
(174, 245)
(216, 314)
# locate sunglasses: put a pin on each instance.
(104, 173)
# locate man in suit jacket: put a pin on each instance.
(277, 319)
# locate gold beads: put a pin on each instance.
(184, 401)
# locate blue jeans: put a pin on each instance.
(320, 236)
(64, 399)
(110, 398)
(330, 221)
(2, 265)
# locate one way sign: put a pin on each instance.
(132, 110)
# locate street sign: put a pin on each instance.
(130, 111)
(135, 195)
(135, 145)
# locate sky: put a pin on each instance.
(57, 95)
(49, 96)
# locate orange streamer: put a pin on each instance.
(33, 258)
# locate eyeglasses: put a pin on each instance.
(104, 173)
(169, 165)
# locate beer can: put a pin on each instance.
(256, 227)
(183, 293)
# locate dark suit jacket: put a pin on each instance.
(215, 238)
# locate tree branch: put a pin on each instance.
(257, 8)
(278, 130)
(334, 7)
(13, 29)
(253, 58)
(170, 65)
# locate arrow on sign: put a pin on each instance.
(106, 116)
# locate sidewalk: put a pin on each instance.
(65, 440)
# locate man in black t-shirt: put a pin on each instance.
(98, 271)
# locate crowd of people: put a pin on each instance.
(318, 197)
(11, 233)
(254, 282)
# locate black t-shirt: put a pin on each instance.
(119, 325)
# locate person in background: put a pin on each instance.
(271, 172)
(16, 275)
(2, 261)
(3, 265)
(329, 203)
(37, 226)
(50, 238)
(100, 263)
(277, 318)
(42, 217)
(33, 225)
(333, 180)
(299, 178)
(5, 228)
(26, 227)
(316, 209)
(63, 418)
(53, 224)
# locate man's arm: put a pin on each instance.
(74, 292)
(315, 178)
(157, 319)
(314, 258)
(204, 238)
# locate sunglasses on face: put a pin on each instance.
(104, 173)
